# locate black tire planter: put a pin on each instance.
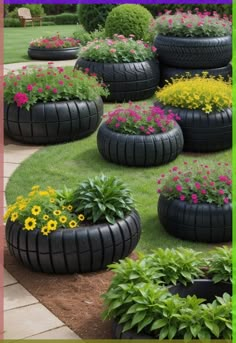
(207, 223)
(202, 288)
(170, 72)
(139, 150)
(53, 122)
(204, 132)
(126, 81)
(81, 250)
(194, 52)
(53, 54)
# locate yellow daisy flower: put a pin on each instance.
(45, 231)
(81, 217)
(57, 212)
(43, 193)
(14, 216)
(72, 224)
(70, 208)
(36, 210)
(52, 200)
(52, 225)
(45, 217)
(63, 219)
(35, 188)
(30, 223)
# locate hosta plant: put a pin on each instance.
(103, 198)
(200, 92)
(117, 50)
(53, 42)
(220, 264)
(49, 84)
(198, 183)
(190, 24)
(140, 119)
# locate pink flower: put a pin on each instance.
(112, 51)
(182, 197)
(29, 87)
(179, 188)
(61, 82)
(187, 179)
(175, 168)
(50, 63)
(223, 178)
(159, 191)
(40, 90)
(159, 181)
(221, 191)
(170, 21)
(48, 87)
(189, 25)
(132, 51)
(154, 49)
(21, 99)
(197, 185)
(203, 191)
(212, 183)
(226, 200)
(194, 196)
(54, 90)
(117, 125)
(175, 178)
(24, 67)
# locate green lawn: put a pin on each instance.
(17, 39)
(68, 164)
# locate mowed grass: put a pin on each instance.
(68, 164)
(17, 39)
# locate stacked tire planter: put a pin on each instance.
(139, 150)
(126, 81)
(178, 55)
(207, 223)
(204, 132)
(84, 249)
(53, 54)
(53, 122)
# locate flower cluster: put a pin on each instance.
(198, 184)
(188, 24)
(140, 120)
(55, 42)
(44, 210)
(199, 92)
(118, 49)
(45, 84)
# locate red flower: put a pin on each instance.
(21, 99)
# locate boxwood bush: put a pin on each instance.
(93, 16)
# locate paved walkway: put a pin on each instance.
(24, 316)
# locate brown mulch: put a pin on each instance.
(74, 299)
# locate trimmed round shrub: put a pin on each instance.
(93, 16)
(129, 19)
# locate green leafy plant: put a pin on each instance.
(129, 19)
(103, 198)
(44, 84)
(198, 184)
(220, 264)
(84, 36)
(117, 50)
(193, 25)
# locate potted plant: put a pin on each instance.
(200, 40)
(73, 230)
(195, 203)
(47, 105)
(170, 295)
(138, 135)
(204, 105)
(127, 66)
(54, 48)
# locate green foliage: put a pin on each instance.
(57, 8)
(138, 299)
(93, 16)
(220, 264)
(11, 22)
(66, 18)
(84, 36)
(129, 19)
(13, 14)
(160, 9)
(103, 198)
(36, 10)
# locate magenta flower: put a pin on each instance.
(182, 197)
(54, 90)
(179, 188)
(40, 90)
(194, 196)
(226, 200)
(61, 82)
(21, 99)
(197, 185)
(203, 191)
(30, 88)
(221, 191)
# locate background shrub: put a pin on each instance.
(66, 18)
(129, 19)
(84, 36)
(11, 22)
(93, 16)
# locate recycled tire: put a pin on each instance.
(202, 288)
(81, 250)
(207, 223)
(53, 122)
(204, 132)
(56, 54)
(166, 72)
(139, 150)
(125, 81)
(194, 52)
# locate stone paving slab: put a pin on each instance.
(60, 333)
(9, 168)
(8, 278)
(17, 296)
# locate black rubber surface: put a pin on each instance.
(139, 150)
(204, 288)
(194, 52)
(168, 72)
(196, 222)
(54, 122)
(204, 132)
(126, 81)
(66, 251)
(55, 54)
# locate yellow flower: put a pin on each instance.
(63, 219)
(19, 198)
(36, 210)
(31, 194)
(45, 231)
(70, 208)
(72, 224)
(30, 223)
(81, 217)
(52, 200)
(51, 191)
(52, 225)
(22, 206)
(208, 108)
(57, 212)
(45, 217)
(14, 216)
(43, 193)
(35, 188)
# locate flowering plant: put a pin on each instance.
(198, 184)
(193, 25)
(44, 84)
(199, 92)
(118, 49)
(55, 42)
(47, 210)
(140, 120)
